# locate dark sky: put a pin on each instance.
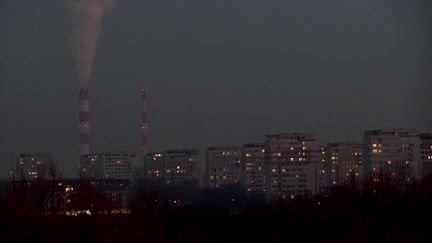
(219, 72)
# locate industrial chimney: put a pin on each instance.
(84, 120)
(144, 123)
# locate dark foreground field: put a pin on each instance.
(356, 220)
(381, 214)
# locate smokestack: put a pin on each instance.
(86, 20)
(144, 123)
(84, 120)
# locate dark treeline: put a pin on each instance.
(381, 213)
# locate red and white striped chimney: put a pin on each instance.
(84, 120)
(144, 123)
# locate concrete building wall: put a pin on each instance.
(113, 165)
(175, 167)
(426, 154)
(344, 163)
(323, 170)
(392, 153)
(253, 174)
(180, 166)
(154, 166)
(30, 166)
(223, 166)
(292, 162)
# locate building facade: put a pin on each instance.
(113, 165)
(172, 167)
(426, 154)
(344, 163)
(392, 155)
(253, 174)
(181, 166)
(154, 166)
(323, 171)
(32, 166)
(292, 164)
(223, 166)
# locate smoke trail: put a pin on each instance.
(86, 16)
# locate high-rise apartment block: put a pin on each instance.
(31, 166)
(426, 154)
(253, 173)
(223, 166)
(116, 165)
(154, 165)
(344, 163)
(323, 182)
(285, 165)
(181, 166)
(175, 167)
(392, 154)
(292, 163)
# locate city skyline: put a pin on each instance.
(205, 172)
(360, 75)
(215, 121)
(284, 166)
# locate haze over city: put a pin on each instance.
(215, 121)
(219, 72)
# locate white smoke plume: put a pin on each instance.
(86, 17)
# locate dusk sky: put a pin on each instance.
(218, 72)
